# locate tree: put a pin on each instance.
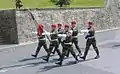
(61, 3)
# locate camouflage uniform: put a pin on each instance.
(90, 41)
(67, 46)
(53, 43)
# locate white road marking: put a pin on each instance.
(4, 70)
(21, 44)
(11, 69)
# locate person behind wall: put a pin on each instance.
(90, 41)
(19, 4)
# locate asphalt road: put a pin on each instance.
(18, 60)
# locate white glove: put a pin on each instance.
(63, 36)
(85, 32)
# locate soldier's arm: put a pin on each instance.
(89, 34)
(61, 35)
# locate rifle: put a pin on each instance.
(36, 23)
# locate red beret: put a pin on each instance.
(90, 23)
(40, 29)
(66, 25)
(59, 24)
(54, 25)
(73, 22)
(41, 25)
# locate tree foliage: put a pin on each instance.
(61, 3)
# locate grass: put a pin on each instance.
(5, 4)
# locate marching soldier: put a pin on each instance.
(74, 30)
(74, 36)
(42, 40)
(90, 41)
(67, 45)
(53, 43)
(60, 31)
(18, 4)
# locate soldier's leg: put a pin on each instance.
(50, 50)
(45, 47)
(57, 50)
(96, 49)
(88, 43)
(72, 52)
(67, 53)
(77, 47)
(59, 41)
(62, 56)
(17, 5)
(53, 52)
(62, 44)
(38, 49)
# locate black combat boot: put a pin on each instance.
(46, 59)
(97, 57)
(35, 56)
(79, 54)
(84, 58)
(59, 63)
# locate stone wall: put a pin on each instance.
(101, 17)
(25, 27)
(8, 26)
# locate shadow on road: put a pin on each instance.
(47, 68)
(117, 45)
(23, 65)
(33, 64)
(110, 45)
(28, 59)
